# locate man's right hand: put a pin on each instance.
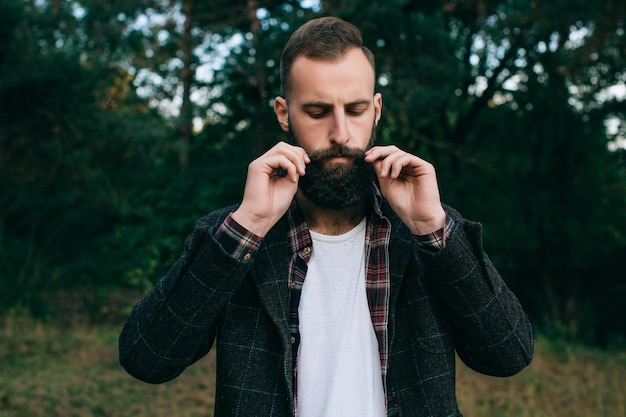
(268, 193)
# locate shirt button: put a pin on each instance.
(292, 285)
(247, 256)
(306, 250)
(293, 340)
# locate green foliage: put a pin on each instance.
(505, 102)
(507, 98)
(522, 159)
(62, 148)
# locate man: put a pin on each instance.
(340, 286)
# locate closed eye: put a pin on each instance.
(317, 110)
(355, 112)
(357, 109)
(317, 114)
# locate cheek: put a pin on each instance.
(310, 138)
(311, 128)
(364, 130)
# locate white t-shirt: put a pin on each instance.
(338, 372)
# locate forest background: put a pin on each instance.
(123, 121)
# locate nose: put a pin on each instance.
(340, 134)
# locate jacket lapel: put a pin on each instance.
(271, 270)
(401, 251)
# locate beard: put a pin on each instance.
(337, 186)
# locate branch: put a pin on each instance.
(480, 102)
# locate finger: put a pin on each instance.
(393, 162)
(390, 162)
(379, 152)
(284, 166)
(295, 154)
(377, 156)
(397, 162)
(276, 165)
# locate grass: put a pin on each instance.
(562, 381)
(49, 371)
(72, 371)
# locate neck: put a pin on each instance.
(331, 222)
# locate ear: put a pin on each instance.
(378, 107)
(281, 109)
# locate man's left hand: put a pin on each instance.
(410, 185)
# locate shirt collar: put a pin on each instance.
(299, 236)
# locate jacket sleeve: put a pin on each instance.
(174, 325)
(492, 332)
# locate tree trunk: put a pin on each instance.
(258, 79)
(185, 128)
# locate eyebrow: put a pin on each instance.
(321, 104)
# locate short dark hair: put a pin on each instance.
(326, 38)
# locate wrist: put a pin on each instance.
(428, 225)
(251, 222)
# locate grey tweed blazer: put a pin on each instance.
(441, 302)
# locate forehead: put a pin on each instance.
(350, 76)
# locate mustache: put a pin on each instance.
(339, 151)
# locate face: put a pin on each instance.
(331, 112)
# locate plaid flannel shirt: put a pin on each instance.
(242, 244)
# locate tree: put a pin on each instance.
(505, 98)
(66, 140)
(125, 121)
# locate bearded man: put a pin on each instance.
(340, 285)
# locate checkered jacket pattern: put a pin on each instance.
(440, 302)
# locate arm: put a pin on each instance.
(174, 325)
(492, 332)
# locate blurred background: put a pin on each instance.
(123, 121)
